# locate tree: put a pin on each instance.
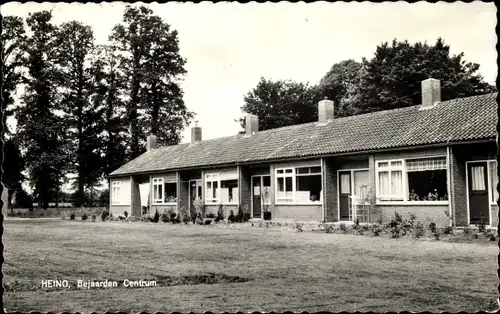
(150, 57)
(109, 85)
(339, 85)
(75, 44)
(392, 78)
(40, 131)
(12, 37)
(13, 166)
(282, 103)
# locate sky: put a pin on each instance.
(229, 46)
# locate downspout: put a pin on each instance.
(323, 190)
(451, 194)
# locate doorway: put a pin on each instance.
(261, 189)
(195, 192)
(477, 182)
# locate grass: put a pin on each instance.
(276, 269)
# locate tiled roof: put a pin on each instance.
(471, 118)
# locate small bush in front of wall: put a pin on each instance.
(432, 227)
(482, 224)
(156, 217)
(231, 218)
(184, 215)
(437, 234)
(492, 237)
(376, 230)
(329, 229)
(299, 227)
(220, 214)
(466, 231)
(125, 213)
(94, 217)
(165, 217)
(104, 215)
(246, 213)
(210, 215)
(84, 217)
(72, 216)
(418, 230)
(343, 228)
(239, 215)
(448, 230)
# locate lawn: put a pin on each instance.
(273, 269)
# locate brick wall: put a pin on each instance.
(135, 198)
(330, 190)
(424, 213)
(299, 213)
(119, 209)
(161, 209)
(244, 188)
(494, 216)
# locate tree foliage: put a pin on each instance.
(392, 78)
(149, 56)
(281, 103)
(40, 130)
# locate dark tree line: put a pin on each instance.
(85, 109)
(390, 79)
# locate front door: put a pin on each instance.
(194, 191)
(344, 194)
(256, 197)
(479, 206)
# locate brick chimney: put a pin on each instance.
(431, 93)
(151, 142)
(251, 124)
(325, 111)
(195, 133)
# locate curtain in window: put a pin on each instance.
(361, 183)
(426, 164)
(345, 183)
(494, 181)
(477, 178)
(383, 183)
(396, 183)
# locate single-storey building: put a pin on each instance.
(436, 160)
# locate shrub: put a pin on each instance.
(395, 232)
(210, 215)
(437, 234)
(220, 214)
(482, 224)
(84, 217)
(419, 230)
(72, 216)
(94, 217)
(466, 231)
(299, 227)
(492, 237)
(432, 227)
(376, 230)
(448, 230)
(125, 213)
(165, 216)
(329, 229)
(239, 215)
(104, 215)
(246, 213)
(199, 207)
(194, 216)
(231, 217)
(156, 217)
(343, 228)
(183, 215)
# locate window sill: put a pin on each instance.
(119, 204)
(163, 204)
(420, 203)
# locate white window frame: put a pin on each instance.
(405, 191)
(235, 201)
(161, 182)
(116, 192)
(209, 199)
(294, 174)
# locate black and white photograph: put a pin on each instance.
(249, 157)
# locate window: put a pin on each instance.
(170, 192)
(390, 180)
(492, 173)
(361, 183)
(298, 185)
(422, 179)
(164, 192)
(212, 188)
(229, 191)
(115, 196)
